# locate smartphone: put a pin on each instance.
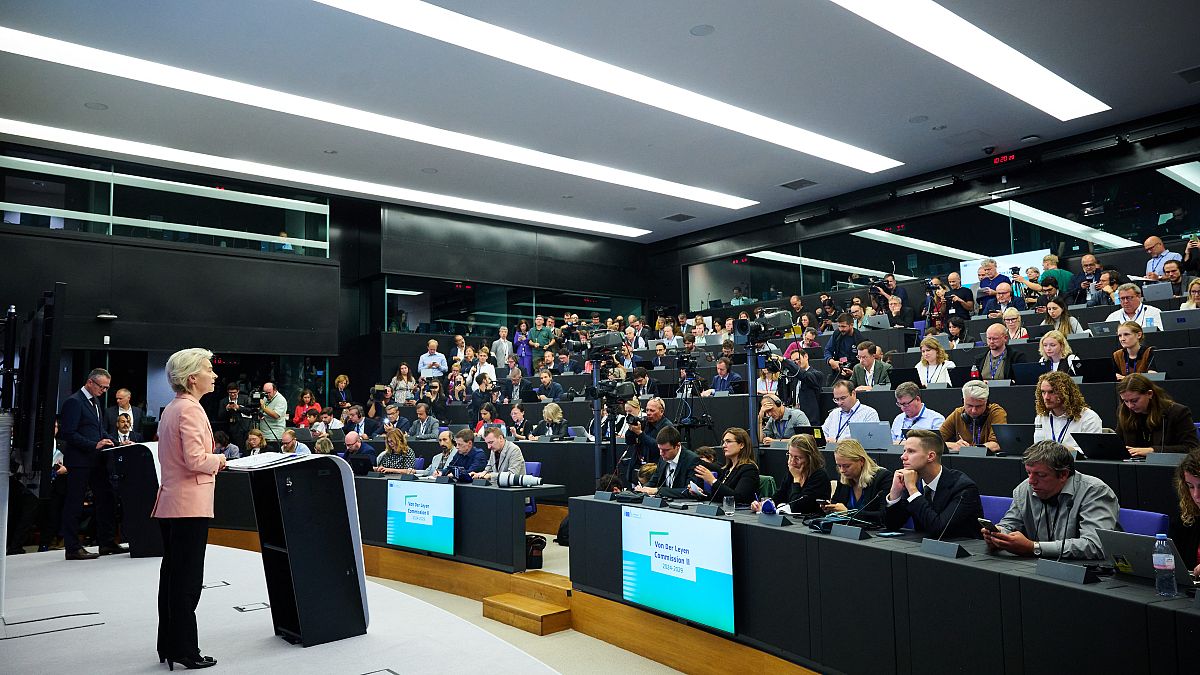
(888, 534)
(822, 502)
(987, 525)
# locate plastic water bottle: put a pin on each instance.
(974, 372)
(1164, 567)
(1149, 322)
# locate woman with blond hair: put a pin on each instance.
(184, 505)
(552, 423)
(935, 365)
(397, 457)
(1056, 353)
(860, 481)
(1012, 323)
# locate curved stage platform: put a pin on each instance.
(109, 623)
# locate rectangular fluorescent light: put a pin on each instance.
(917, 244)
(824, 264)
(1187, 175)
(1059, 224)
(484, 38)
(150, 72)
(401, 291)
(925, 186)
(951, 38)
(78, 139)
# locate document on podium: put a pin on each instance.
(262, 460)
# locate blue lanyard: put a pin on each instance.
(976, 429)
(1137, 317)
(1161, 258)
(914, 422)
(995, 365)
(929, 379)
(842, 425)
(1058, 437)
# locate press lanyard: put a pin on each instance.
(1058, 437)
(915, 420)
(842, 425)
(995, 365)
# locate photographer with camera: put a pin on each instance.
(841, 352)
(381, 397)
(235, 412)
(274, 411)
(960, 301)
(641, 438)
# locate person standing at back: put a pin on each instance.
(82, 439)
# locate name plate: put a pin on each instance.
(479, 481)
(709, 510)
(1075, 574)
(973, 451)
(773, 519)
(656, 502)
(407, 476)
(848, 532)
(945, 549)
(1165, 458)
(444, 479)
(603, 496)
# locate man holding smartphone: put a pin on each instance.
(1056, 512)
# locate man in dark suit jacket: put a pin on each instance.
(997, 362)
(124, 433)
(513, 385)
(229, 411)
(82, 437)
(676, 467)
(803, 385)
(643, 384)
(941, 502)
(365, 426)
(123, 405)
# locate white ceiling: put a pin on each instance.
(804, 62)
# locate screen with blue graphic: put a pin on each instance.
(421, 515)
(679, 564)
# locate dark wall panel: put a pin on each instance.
(170, 296)
(453, 246)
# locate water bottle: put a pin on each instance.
(1149, 322)
(974, 372)
(1164, 567)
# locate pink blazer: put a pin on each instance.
(186, 460)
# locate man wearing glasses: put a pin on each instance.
(82, 439)
(1133, 309)
(1173, 274)
(994, 306)
(847, 409)
(913, 412)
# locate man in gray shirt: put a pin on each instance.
(1057, 511)
(502, 348)
(275, 413)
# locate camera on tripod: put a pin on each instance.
(612, 390)
(600, 345)
(765, 327)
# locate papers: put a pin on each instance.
(262, 459)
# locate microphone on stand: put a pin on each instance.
(952, 514)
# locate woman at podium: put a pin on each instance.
(185, 505)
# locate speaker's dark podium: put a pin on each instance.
(137, 486)
(311, 548)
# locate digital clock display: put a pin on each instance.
(1003, 159)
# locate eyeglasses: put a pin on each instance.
(1012, 319)
(101, 387)
(905, 404)
(839, 399)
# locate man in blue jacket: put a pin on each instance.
(468, 457)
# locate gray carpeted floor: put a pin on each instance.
(114, 598)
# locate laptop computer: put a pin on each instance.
(1133, 554)
(1028, 373)
(1099, 328)
(1181, 319)
(1096, 370)
(1180, 363)
(900, 375)
(1013, 438)
(360, 464)
(817, 433)
(872, 435)
(528, 396)
(1038, 330)
(944, 339)
(1159, 291)
(876, 321)
(960, 375)
(714, 304)
(1101, 446)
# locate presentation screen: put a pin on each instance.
(420, 515)
(678, 564)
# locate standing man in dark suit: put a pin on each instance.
(940, 501)
(229, 411)
(123, 407)
(676, 466)
(82, 438)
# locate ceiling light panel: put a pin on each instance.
(952, 38)
(836, 267)
(484, 38)
(150, 72)
(917, 244)
(1029, 214)
(85, 141)
(1187, 175)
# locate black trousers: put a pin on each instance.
(78, 480)
(179, 580)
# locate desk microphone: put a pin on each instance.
(952, 514)
(853, 515)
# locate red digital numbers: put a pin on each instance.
(1003, 158)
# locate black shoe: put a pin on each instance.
(81, 554)
(192, 662)
(114, 549)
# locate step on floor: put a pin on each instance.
(528, 614)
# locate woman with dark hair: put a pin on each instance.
(738, 478)
(1058, 314)
(307, 402)
(956, 328)
(521, 347)
(1149, 421)
(807, 482)
(1184, 529)
(404, 384)
(488, 416)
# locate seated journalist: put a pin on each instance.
(942, 502)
